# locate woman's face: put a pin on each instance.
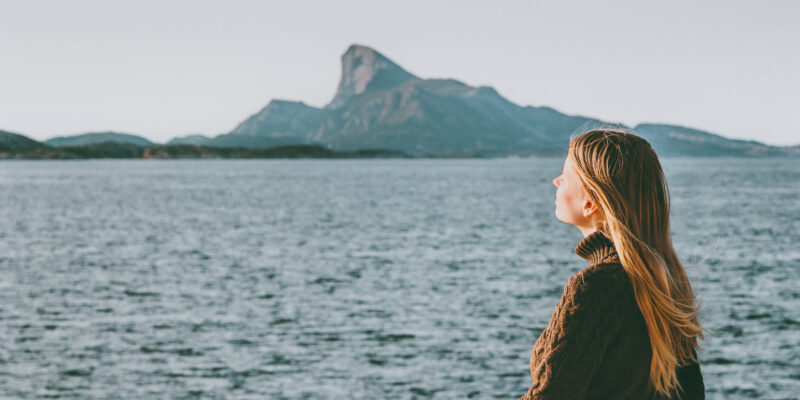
(573, 205)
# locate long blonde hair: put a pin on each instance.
(622, 175)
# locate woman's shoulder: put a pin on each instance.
(600, 277)
(598, 285)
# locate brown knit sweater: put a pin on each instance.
(596, 345)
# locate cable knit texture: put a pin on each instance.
(596, 345)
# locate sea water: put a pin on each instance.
(356, 279)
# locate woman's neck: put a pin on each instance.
(587, 230)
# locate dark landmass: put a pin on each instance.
(379, 105)
(184, 151)
(30, 149)
(103, 150)
(15, 143)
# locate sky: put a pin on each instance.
(168, 68)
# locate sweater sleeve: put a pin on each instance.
(569, 351)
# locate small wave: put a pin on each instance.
(78, 372)
(721, 361)
(394, 337)
(134, 293)
(186, 352)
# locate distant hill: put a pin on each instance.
(98, 137)
(792, 150)
(673, 140)
(16, 146)
(378, 104)
(21, 147)
(14, 142)
(279, 123)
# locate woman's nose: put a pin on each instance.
(555, 181)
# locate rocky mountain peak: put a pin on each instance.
(364, 68)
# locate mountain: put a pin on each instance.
(673, 140)
(280, 123)
(98, 137)
(196, 140)
(378, 104)
(16, 143)
(791, 150)
(446, 117)
(365, 69)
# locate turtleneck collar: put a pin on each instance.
(597, 248)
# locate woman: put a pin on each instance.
(626, 326)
